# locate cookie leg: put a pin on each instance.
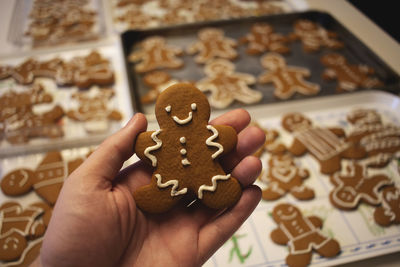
(273, 192)
(221, 193)
(329, 249)
(302, 192)
(299, 260)
(152, 199)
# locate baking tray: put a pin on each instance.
(20, 21)
(75, 134)
(359, 236)
(182, 36)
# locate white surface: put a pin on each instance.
(360, 237)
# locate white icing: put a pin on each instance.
(182, 140)
(212, 187)
(185, 162)
(185, 120)
(193, 106)
(168, 108)
(48, 182)
(174, 183)
(183, 151)
(210, 142)
(152, 148)
(304, 234)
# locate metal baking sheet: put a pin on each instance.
(182, 36)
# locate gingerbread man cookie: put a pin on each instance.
(94, 110)
(327, 145)
(154, 53)
(284, 176)
(213, 44)
(226, 85)
(263, 38)
(380, 141)
(184, 153)
(353, 185)
(46, 180)
(389, 212)
(23, 73)
(349, 76)
(313, 36)
(302, 235)
(287, 79)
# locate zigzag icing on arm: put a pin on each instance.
(174, 183)
(212, 187)
(210, 142)
(152, 148)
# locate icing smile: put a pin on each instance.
(186, 120)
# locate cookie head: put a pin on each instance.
(218, 67)
(210, 34)
(295, 122)
(181, 104)
(12, 246)
(17, 182)
(261, 28)
(273, 61)
(285, 213)
(345, 195)
(153, 41)
(333, 59)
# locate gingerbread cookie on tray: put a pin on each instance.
(349, 77)
(327, 145)
(287, 80)
(353, 185)
(284, 176)
(313, 36)
(184, 153)
(381, 141)
(46, 179)
(154, 53)
(226, 85)
(262, 38)
(302, 235)
(213, 44)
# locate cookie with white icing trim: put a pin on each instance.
(302, 235)
(284, 176)
(349, 77)
(184, 153)
(46, 180)
(353, 185)
(154, 53)
(213, 44)
(327, 145)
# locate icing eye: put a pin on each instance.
(168, 108)
(193, 106)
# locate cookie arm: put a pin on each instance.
(339, 132)
(265, 77)
(143, 141)
(227, 137)
(297, 148)
(317, 222)
(279, 237)
(135, 56)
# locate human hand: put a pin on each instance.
(95, 221)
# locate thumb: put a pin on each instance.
(106, 161)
